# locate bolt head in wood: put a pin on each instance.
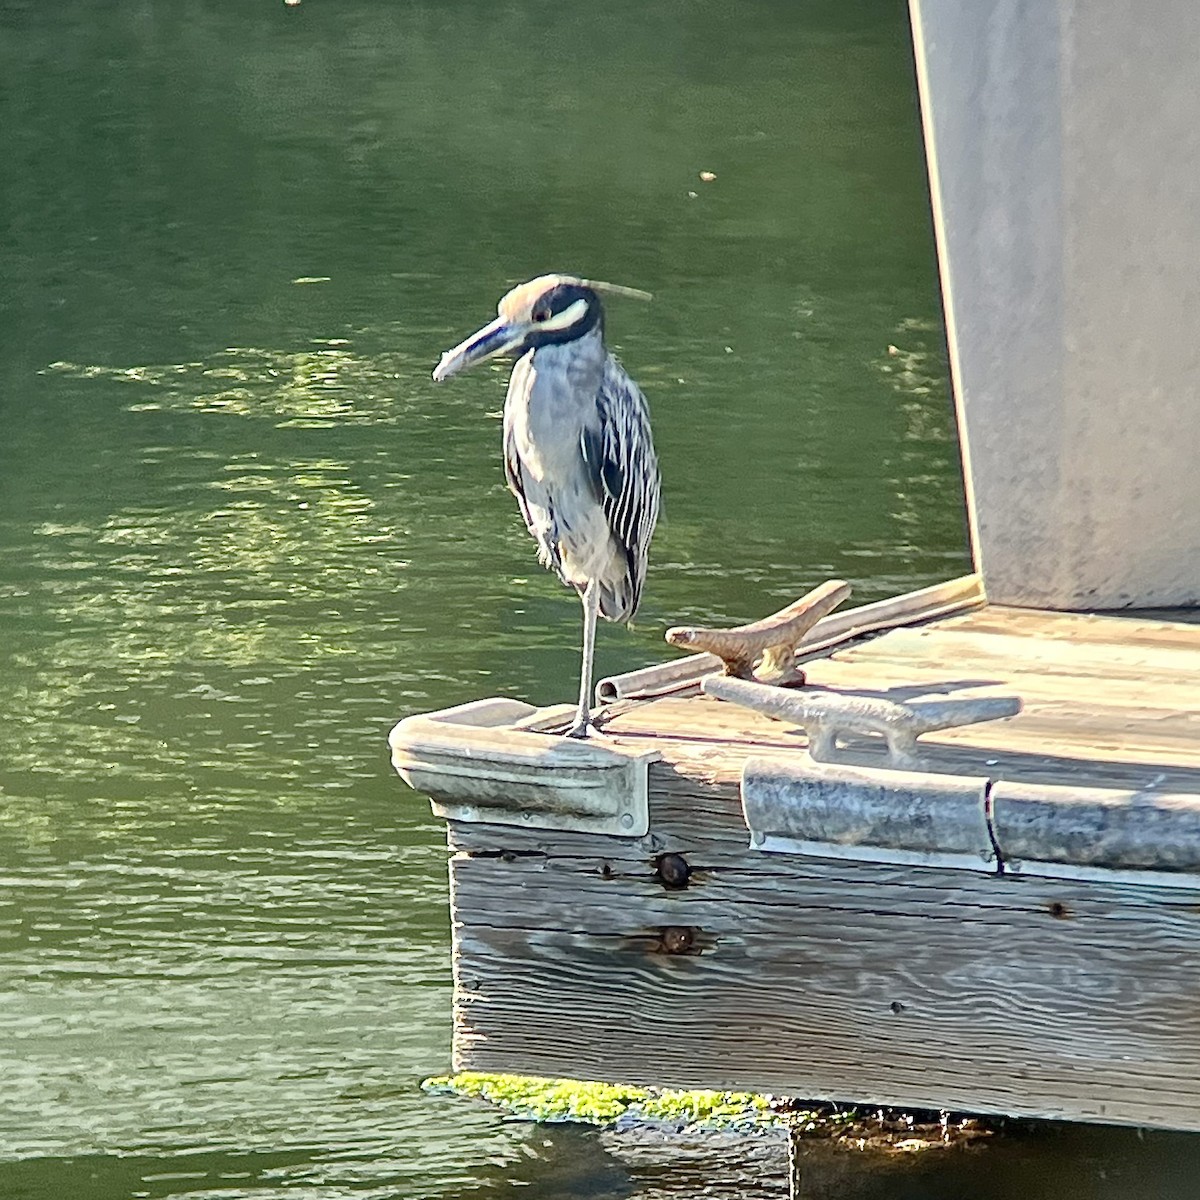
(678, 939)
(673, 871)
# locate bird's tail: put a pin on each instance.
(619, 599)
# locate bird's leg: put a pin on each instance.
(591, 603)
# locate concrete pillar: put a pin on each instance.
(1063, 139)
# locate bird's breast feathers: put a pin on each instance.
(545, 414)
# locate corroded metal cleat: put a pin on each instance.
(769, 644)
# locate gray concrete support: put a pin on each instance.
(1063, 139)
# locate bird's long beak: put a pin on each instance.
(499, 337)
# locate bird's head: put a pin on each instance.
(547, 310)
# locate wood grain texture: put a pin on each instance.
(1123, 627)
(1108, 701)
(848, 981)
(1003, 750)
(861, 981)
(941, 599)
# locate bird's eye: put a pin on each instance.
(541, 314)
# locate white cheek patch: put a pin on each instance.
(566, 318)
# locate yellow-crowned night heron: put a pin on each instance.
(577, 448)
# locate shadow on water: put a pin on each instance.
(241, 533)
(568, 1163)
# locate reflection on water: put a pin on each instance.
(241, 532)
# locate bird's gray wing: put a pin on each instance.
(618, 450)
(513, 474)
(519, 484)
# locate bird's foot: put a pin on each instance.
(583, 724)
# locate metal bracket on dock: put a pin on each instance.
(486, 762)
(1145, 836)
(826, 715)
(793, 806)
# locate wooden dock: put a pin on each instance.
(865, 905)
(1014, 928)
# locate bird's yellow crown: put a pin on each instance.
(518, 304)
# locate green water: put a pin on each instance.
(241, 532)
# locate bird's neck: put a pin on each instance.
(586, 345)
(580, 358)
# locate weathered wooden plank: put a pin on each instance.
(1141, 698)
(725, 726)
(950, 597)
(850, 981)
(1134, 710)
(727, 872)
(695, 763)
(1106, 738)
(580, 953)
(1134, 628)
(1077, 737)
(1117, 685)
(1007, 995)
(576, 893)
(965, 645)
(1036, 761)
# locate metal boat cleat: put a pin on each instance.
(825, 716)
